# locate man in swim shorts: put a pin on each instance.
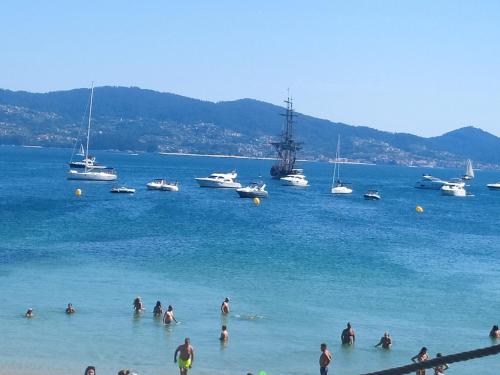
(186, 357)
(324, 360)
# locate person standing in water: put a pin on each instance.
(224, 334)
(169, 315)
(348, 336)
(70, 309)
(422, 356)
(138, 306)
(225, 306)
(158, 310)
(29, 313)
(324, 359)
(495, 332)
(186, 357)
(385, 341)
(439, 370)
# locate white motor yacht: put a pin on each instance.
(92, 174)
(254, 190)
(429, 182)
(219, 180)
(340, 188)
(162, 184)
(495, 186)
(372, 195)
(294, 180)
(453, 189)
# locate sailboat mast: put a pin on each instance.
(90, 119)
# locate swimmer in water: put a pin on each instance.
(29, 313)
(224, 334)
(225, 306)
(348, 336)
(138, 306)
(70, 309)
(158, 310)
(385, 341)
(90, 370)
(186, 357)
(169, 315)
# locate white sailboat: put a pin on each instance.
(87, 169)
(469, 172)
(338, 187)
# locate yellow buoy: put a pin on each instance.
(419, 209)
(256, 201)
(78, 192)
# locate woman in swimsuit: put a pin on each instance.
(495, 332)
(138, 307)
(422, 356)
(158, 310)
(439, 370)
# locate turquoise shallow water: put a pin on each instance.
(296, 268)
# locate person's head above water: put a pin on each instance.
(423, 350)
(187, 341)
(348, 324)
(170, 308)
(323, 347)
(495, 328)
(226, 299)
(224, 328)
(158, 303)
(90, 370)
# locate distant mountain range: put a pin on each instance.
(145, 120)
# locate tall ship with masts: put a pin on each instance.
(287, 146)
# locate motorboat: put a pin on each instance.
(295, 179)
(122, 190)
(87, 168)
(219, 180)
(338, 187)
(453, 189)
(495, 186)
(254, 190)
(430, 182)
(92, 174)
(372, 195)
(162, 184)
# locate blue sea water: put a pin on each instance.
(296, 268)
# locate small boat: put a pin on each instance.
(296, 179)
(122, 190)
(219, 180)
(372, 195)
(469, 172)
(453, 189)
(254, 190)
(430, 182)
(338, 187)
(162, 184)
(495, 186)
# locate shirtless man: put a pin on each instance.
(186, 357)
(224, 335)
(169, 315)
(348, 336)
(385, 341)
(324, 360)
(225, 306)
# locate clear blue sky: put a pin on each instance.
(422, 66)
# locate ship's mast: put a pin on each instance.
(90, 119)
